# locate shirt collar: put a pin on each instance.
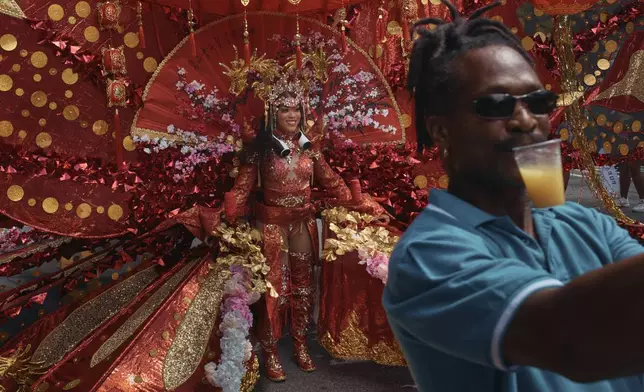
(458, 208)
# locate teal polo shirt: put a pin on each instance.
(458, 274)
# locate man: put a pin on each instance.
(484, 293)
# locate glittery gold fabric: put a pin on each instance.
(630, 84)
(353, 344)
(35, 248)
(11, 8)
(89, 316)
(144, 358)
(250, 378)
(138, 318)
(189, 345)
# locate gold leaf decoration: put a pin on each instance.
(353, 233)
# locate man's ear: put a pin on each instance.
(437, 130)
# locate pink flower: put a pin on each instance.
(377, 265)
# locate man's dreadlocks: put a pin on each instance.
(431, 78)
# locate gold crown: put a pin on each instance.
(287, 91)
(273, 83)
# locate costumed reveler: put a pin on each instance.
(283, 164)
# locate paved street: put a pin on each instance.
(578, 191)
(335, 375)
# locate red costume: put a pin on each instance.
(287, 220)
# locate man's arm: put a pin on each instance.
(591, 329)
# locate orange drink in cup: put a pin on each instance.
(542, 172)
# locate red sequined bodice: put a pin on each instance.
(286, 181)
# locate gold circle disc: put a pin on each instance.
(37, 77)
(590, 80)
(71, 112)
(527, 42)
(443, 181)
(50, 205)
(43, 140)
(100, 127)
(55, 12)
(15, 193)
(578, 68)
(39, 59)
(394, 28)
(91, 34)
(601, 119)
(636, 126)
(69, 206)
(406, 120)
(623, 149)
(131, 40)
(150, 64)
(22, 134)
(83, 210)
(8, 42)
(6, 128)
(128, 143)
(39, 99)
(100, 209)
(69, 94)
(20, 92)
(6, 83)
(69, 76)
(115, 212)
(603, 64)
(83, 9)
(420, 182)
(563, 134)
(608, 148)
(611, 46)
(618, 127)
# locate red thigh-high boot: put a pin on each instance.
(268, 337)
(270, 316)
(302, 306)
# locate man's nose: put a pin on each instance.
(522, 120)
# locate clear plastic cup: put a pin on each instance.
(542, 172)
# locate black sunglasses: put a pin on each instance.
(501, 106)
